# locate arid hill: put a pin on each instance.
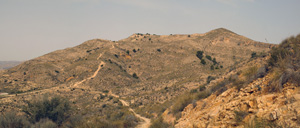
(143, 70)
(263, 92)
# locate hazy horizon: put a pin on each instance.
(33, 28)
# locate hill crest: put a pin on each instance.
(142, 69)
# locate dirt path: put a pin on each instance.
(93, 76)
(99, 56)
(54, 88)
(146, 121)
(144, 124)
(95, 73)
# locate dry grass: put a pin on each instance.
(12, 120)
(263, 123)
(121, 118)
(159, 123)
(239, 116)
(285, 64)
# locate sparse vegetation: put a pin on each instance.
(263, 123)
(285, 63)
(119, 117)
(187, 98)
(210, 78)
(208, 57)
(203, 61)
(212, 67)
(181, 103)
(236, 82)
(12, 120)
(134, 50)
(219, 88)
(202, 87)
(116, 56)
(140, 34)
(55, 109)
(239, 116)
(45, 123)
(250, 73)
(163, 80)
(154, 108)
(214, 61)
(253, 55)
(134, 75)
(217, 67)
(199, 54)
(159, 123)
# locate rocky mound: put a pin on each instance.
(271, 99)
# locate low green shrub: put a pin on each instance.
(250, 73)
(117, 119)
(210, 78)
(159, 123)
(202, 87)
(214, 61)
(134, 75)
(208, 57)
(199, 54)
(253, 55)
(12, 120)
(285, 64)
(212, 67)
(134, 50)
(55, 109)
(203, 61)
(44, 123)
(181, 103)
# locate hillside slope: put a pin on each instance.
(271, 99)
(142, 69)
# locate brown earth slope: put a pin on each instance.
(269, 100)
(143, 69)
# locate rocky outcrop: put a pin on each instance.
(242, 108)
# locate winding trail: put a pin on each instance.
(145, 124)
(146, 121)
(93, 76)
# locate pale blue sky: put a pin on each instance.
(31, 28)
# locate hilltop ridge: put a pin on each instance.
(144, 70)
